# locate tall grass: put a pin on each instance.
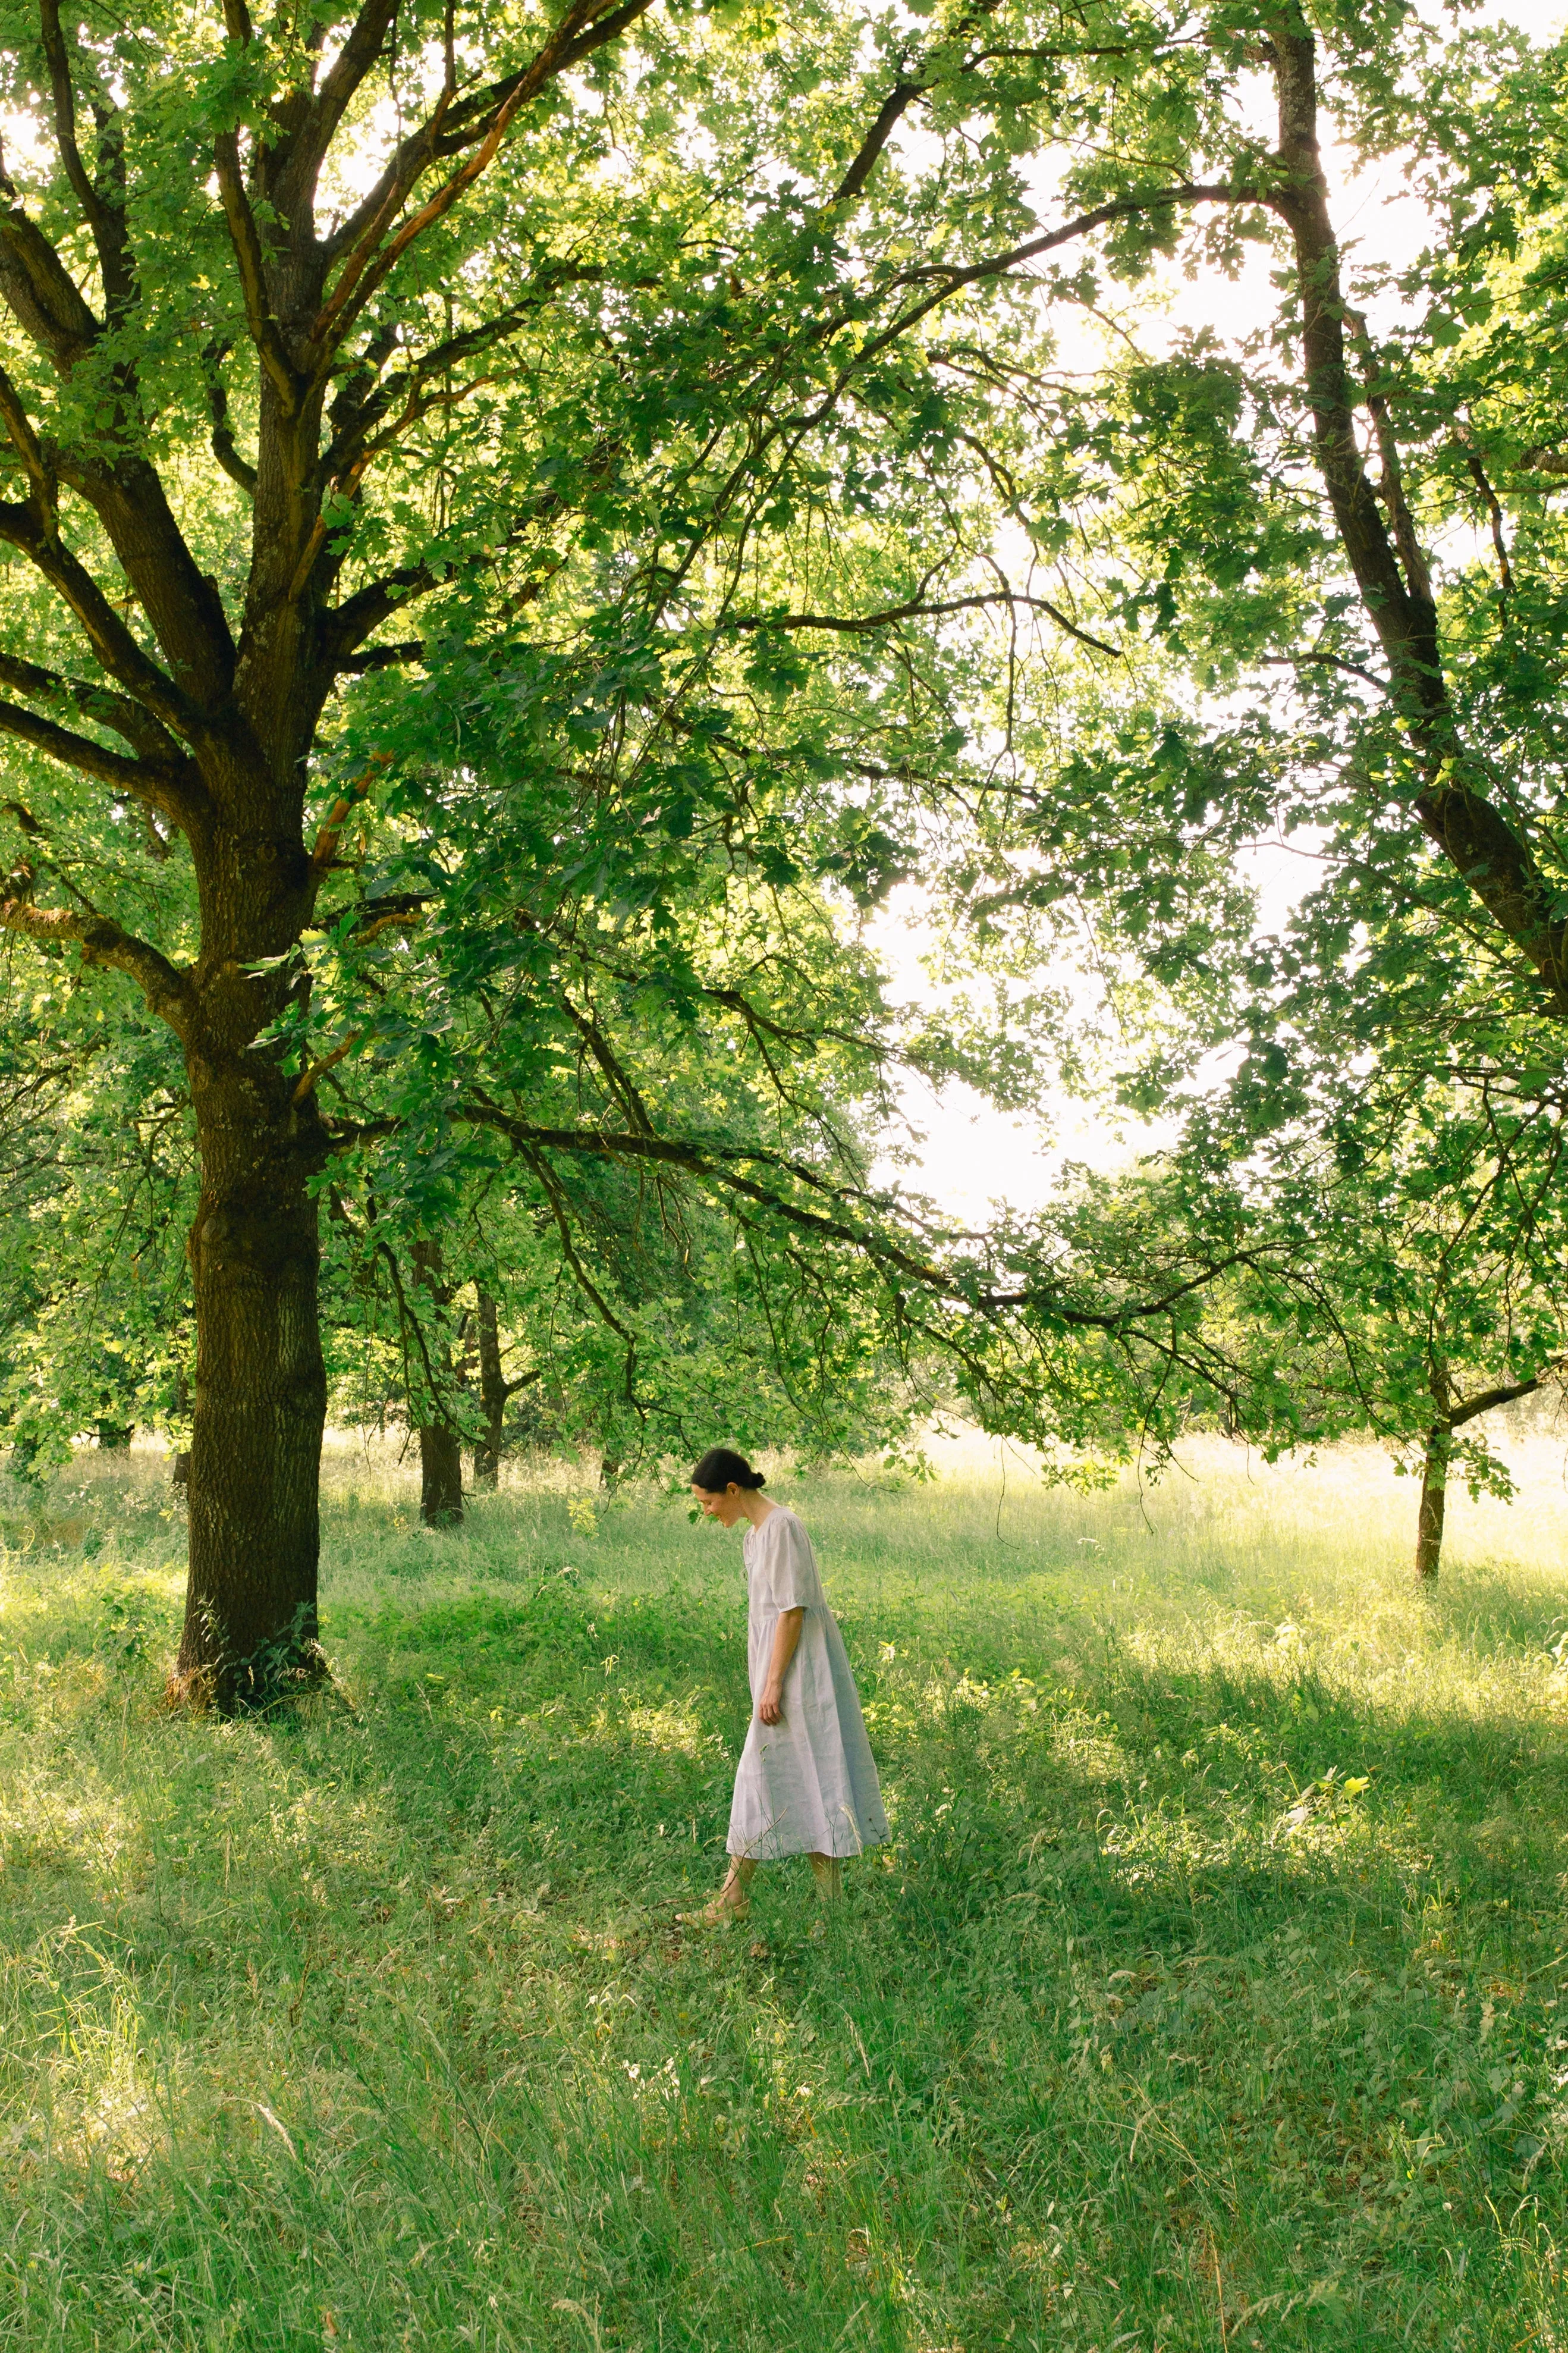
(1211, 1995)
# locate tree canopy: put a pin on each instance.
(524, 522)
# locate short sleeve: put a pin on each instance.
(788, 1565)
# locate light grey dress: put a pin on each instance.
(806, 1785)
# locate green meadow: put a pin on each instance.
(1212, 1993)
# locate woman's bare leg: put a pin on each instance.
(734, 1900)
(828, 1876)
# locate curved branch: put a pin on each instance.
(587, 26)
(102, 941)
(710, 1164)
(224, 446)
(127, 718)
(106, 220)
(154, 786)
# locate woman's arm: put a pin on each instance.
(786, 1634)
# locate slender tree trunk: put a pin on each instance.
(440, 1449)
(260, 1404)
(1435, 1471)
(1434, 1498)
(492, 1393)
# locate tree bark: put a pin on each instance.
(250, 1628)
(440, 1448)
(493, 1392)
(440, 1475)
(1434, 1498)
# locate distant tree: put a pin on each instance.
(1406, 1277)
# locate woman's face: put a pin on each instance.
(725, 1508)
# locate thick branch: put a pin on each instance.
(1455, 815)
(139, 729)
(141, 780)
(124, 490)
(106, 220)
(1489, 1400)
(246, 238)
(349, 623)
(113, 642)
(899, 99)
(41, 291)
(406, 649)
(358, 55)
(102, 941)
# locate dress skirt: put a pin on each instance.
(806, 1785)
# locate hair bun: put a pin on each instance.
(722, 1467)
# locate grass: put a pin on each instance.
(1214, 1993)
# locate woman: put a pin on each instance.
(806, 1784)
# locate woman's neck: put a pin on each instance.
(756, 1507)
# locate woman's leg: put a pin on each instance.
(734, 1900)
(828, 1876)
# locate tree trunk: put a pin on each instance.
(1434, 1498)
(440, 1475)
(440, 1449)
(260, 1406)
(493, 1392)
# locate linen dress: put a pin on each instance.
(806, 1785)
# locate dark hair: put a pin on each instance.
(719, 1468)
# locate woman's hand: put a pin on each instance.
(786, 1634)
